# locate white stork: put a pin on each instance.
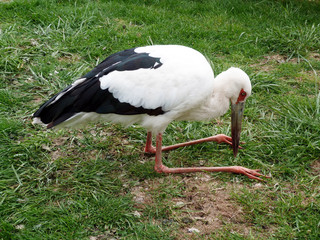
(152, 86)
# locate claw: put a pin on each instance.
(221, 138)
(250, 173)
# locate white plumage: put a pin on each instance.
(185, 72)
(152, 86)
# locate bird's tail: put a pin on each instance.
(65, 104)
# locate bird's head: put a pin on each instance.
(236, 87)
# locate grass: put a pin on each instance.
(96, 183)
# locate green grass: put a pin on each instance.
(81, 184)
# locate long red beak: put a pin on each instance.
(236, 120)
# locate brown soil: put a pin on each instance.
(206, 205)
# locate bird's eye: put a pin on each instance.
(243, 93)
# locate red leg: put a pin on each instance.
(220, 138)
(160, 168)
(149, 148)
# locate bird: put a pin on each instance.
(153, 86)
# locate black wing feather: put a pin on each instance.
(88, 95)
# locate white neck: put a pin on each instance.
(214, 106)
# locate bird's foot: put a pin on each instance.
(162, 169)
(150, 149)
(221, 138)
(250, 173)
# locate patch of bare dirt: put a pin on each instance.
(315, 167)
(315, 55)
(38, 100)
(277, 58)
(206, 205)
(70, 58)
(122, 24)
(141, 196)
(106, 236)
(268, 63)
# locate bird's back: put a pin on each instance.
(152, 80)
